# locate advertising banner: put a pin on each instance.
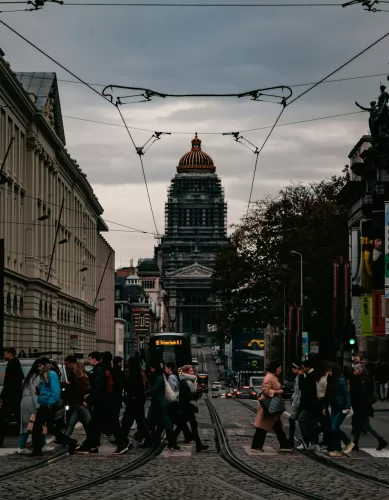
(379, 313)
(355, 260)
(304, 345)
(366, 313)
(357, 315)
(246, 348)
(372, 255)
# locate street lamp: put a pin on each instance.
(301, 289)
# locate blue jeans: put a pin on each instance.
(338, 434)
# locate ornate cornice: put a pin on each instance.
(34, 145)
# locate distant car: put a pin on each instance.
(288, 389)
(215, 395)
(230, 394)
(246, 392)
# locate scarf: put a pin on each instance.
(191, 380)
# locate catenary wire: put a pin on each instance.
(143, 168)
(96, 92)
(47, 203)
(259, 152)
(200, 5)
(339, 68)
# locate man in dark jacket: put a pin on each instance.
(308, 407)
(103, 411)
(12, 392)
(362, 400)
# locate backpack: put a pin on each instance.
(109, 383)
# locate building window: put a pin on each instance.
(141, 320)
(149, 284)
(15, 305)
(21, 306)
(40, 308)
(117, 294)
(8, 307)
(141, 342)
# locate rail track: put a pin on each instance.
(333, 464)
(228, 455)
(35, 466)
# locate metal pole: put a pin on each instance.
(2, 271)
(284, 338)
(302, 296)
(102, 277)
(55, 239)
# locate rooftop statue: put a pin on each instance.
(379, 117)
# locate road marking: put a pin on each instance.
(375, 453)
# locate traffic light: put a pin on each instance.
(349, 334)
(351, 341)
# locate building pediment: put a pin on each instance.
(195, 270)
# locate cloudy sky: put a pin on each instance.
(202, 50)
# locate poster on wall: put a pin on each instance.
(372, 255)
(355, 258)
(379, 313)
(357, 315)
(366, 314)
(304, 345)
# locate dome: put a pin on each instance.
(196, 159)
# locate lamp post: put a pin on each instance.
(301, 291)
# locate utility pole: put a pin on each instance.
(2, 271)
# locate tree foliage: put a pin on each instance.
(253, 272)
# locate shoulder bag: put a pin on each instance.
(170, 395)
(273, 406)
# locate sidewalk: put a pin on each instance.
(381, 406)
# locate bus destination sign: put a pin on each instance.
(168, 342)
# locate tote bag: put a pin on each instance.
(170, 395)
(273, 406)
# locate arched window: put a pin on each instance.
(15, 305)
(21, 306)
(51, 311)
(8, 306)
(40, 308)
(46, 310)
(61, 316)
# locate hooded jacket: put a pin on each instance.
(50, 393)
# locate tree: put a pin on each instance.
(251, 272)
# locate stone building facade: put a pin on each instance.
(195, 230)
(50, 221)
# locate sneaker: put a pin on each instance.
(93, 450)
(121, 450)
(335, 454)
(314, 448)
(382, 444)
(349, 448)
(24, 451)
(301, 447)
(203, 447)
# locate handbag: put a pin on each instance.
(170, 395)
(30, 425)
(273, 406)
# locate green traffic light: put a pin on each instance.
(351, 341)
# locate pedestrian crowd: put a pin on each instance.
(321, 401)
(48, 400)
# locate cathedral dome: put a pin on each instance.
(196, 159)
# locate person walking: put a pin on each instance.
(296, 370)
(80, 413)
(323, 417)
(135, 404)
(102, 410)
(29, 403)
(338, 398)
(308, 408)
(271, 388)
(119, 384)
(158, 417)
(49, 399)
(362, 400)
(188, 394)
(12, 392)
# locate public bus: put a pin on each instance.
(169, 346)
(202, 382)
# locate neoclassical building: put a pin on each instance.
(50, 221)
(195, 230)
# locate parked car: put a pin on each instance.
(246, 392)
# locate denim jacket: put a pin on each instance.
(340, 399)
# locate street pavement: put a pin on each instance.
(185, 474)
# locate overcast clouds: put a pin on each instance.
(195, 51)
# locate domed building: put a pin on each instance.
(195, 230)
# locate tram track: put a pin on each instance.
(227, 454)
(323, 460)
(35, 466)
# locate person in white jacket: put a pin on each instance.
(296, 370)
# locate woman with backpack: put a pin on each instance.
(188, 395)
